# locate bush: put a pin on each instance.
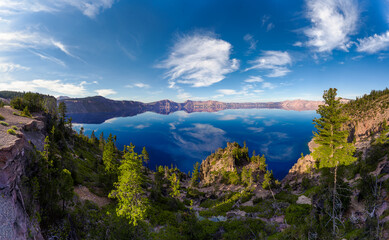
(11, 131)
(1, 117)
(1, 104)
(296, 213)
(14, 128)
(3, 123)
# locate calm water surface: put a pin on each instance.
(182, 139)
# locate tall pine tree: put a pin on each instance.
(333, 149)
(132, 201)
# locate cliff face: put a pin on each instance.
(14, 221)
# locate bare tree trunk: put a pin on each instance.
(333, 202)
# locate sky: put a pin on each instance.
(225, 50)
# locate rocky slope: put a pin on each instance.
(14, 148)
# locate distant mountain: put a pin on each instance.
(62, 98)
(80, 109)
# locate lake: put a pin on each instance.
(182, 138)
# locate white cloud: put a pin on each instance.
(105, 92)
(141, 85)
(199, 60)
(270, 26)
(250, 40)
(22, 39)
(50, 58)
(254, 79)
(374, 43)
(227, 91)
(274, 61)
(268, 85)
(90, 8)
(10, 67)
(298, 44)
(332, 23)
(51, 86)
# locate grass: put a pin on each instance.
(14, 128)
(1, 117)
(11, 131)
(4, 123)
(16, 113)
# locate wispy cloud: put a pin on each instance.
(199, 60)
(141, 85)
(50, 58)
(374, 44)
(53, 86)
(90, 8)
(251, 41)
(254, 79)
(268, 85)
(227, 91)
(10, 67)
(105, 92)
(266, 23)
(274, 61)
(333, 21)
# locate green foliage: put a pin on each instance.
(14, 127)
(4, 123)
(110, 156)
(296, 213)
(268, 180)
(1, 117)
(333, 149)
(194, 181)
(286, 197)
(65, 187)
(174, 185)
(132, 202)
(11, 131)
(25, 112)
(1, 104)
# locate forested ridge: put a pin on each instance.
(230, 195)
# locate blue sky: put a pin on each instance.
(201, 50)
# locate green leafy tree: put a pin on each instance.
(194, 181)
(132, 202)
(333, 149)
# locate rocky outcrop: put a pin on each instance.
(232, 159)
(304, 166)
(14, 221)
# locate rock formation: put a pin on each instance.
(14, 221)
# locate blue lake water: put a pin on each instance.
(182, 139)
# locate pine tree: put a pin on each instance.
(333, 149)
(195, 175)
(101, 141)
(174, 185)
(65, 187)
(132, 201)
(109, 158)
(145, 155)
